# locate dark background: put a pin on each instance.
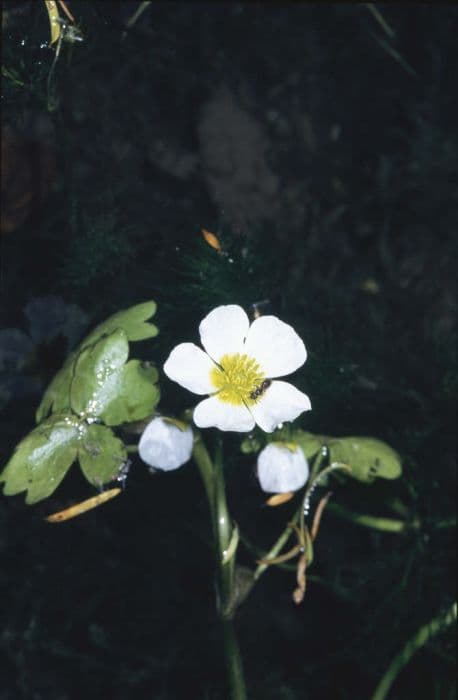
(321, 146)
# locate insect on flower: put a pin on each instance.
(260, 389)
(239, 369)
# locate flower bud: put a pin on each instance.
(282, 467)
(166, 444)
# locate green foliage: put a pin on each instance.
(95, 374)
(132, 322)
(309, 444)
(367, 458)
(100, 246)
(95, 384)
(42, 459)
(134, 394)
(244, 272)
(104, 387)
(101, 454)
(250, 445)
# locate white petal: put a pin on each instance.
(275, 345)
(281, 469)
(190, 366)
(215, 413)
(281, 402)
(224, 330)
(164, 446)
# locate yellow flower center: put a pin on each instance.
(236, 379)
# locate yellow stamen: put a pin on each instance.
(236, 378)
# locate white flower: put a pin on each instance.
(237, 371)
(282, 467)
(165, 445)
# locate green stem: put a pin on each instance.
(276, 549)
(225, 544)
(443, 524)
(138, 12)
(206, 469)
(420, 638)
(299, 516)
(224, 531)
(381, 20)
(234, 666)
(373, 521)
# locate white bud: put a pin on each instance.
(164, 445)
(282, 467)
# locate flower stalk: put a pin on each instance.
(419, 639)
(373, 521)
(224, 533)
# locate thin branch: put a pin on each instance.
(419, 639)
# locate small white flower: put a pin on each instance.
(237, 371)
(165, 445)
(282, 467)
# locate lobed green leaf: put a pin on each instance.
(42, 459)
(133, 322)
(310, 444)
(368, 458)
(136, 394)
(101, 455)
(96, 375)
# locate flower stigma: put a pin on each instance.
(235, 379)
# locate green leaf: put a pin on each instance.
(310, 444)
(42, 459)
(367, 457)
(132, 321)
(57, 396)
(97, 373)
(250, 445)
(136, 394)
(106, 388)
(101, 455)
